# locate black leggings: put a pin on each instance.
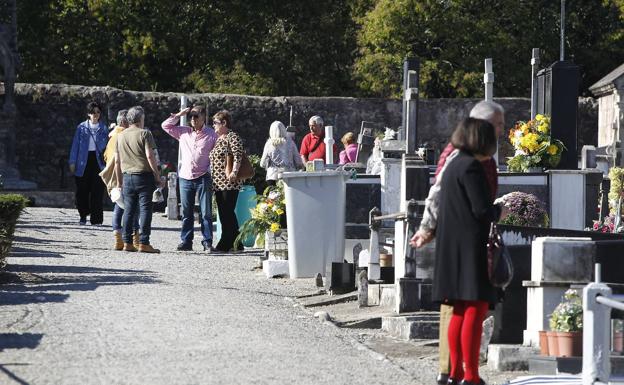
(90, 191)
(226, 203)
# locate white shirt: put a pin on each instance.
(93, 128)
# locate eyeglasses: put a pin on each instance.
(195, 115)
(217, 122)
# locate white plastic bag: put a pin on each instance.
(117, 197)
(157, 196)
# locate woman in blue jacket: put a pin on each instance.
(86, 161)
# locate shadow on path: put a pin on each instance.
(24, 284)
(3, 369)
(20, 340)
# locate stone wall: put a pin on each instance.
(47, 115)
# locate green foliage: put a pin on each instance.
(232, 46)
(451, 39)
(11, 206)
(616, 190)
(301, 47)
(568, 315)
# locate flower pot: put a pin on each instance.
(553, 345)
(543, 343)
(570, 344)
(535, 169)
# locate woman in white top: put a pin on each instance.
(280, 153)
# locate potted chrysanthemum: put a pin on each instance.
(524, 209)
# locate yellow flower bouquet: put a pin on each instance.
(534, 147)
(268, 214)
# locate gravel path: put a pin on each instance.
(72, 311)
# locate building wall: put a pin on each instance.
(47, 116)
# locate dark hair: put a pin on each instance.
(200, 109)
(92, 106)
(224, 116)
(475, 136)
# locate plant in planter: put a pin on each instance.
(266, 216)
(259, 178)
(567, 321)
(524, 210)
(612, 223)
(11, 206)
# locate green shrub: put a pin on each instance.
(11, 206)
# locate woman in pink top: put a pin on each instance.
(349, 154)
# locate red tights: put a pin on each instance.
(464, 337)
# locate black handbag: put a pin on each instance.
(500, 267)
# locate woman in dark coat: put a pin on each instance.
(461, 278)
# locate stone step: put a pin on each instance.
(505, 357)
(573, 365)
(420, 325)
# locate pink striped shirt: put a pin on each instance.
(195, 147)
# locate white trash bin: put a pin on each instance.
(315, 210)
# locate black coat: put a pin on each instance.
(465, 213)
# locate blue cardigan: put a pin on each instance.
(80, 146)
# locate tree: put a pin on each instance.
(452, 37)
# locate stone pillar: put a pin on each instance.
(573, 188)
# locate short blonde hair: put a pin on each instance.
(348, 138)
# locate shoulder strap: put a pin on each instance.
(318, 143)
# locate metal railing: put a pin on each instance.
(598, 301)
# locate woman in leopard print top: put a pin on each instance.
(226, 187)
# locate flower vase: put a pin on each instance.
(258, 242)
(553, 345)
(570, 344)
(535, 169)
(543, 343)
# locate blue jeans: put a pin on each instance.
(137, 194)
(117, 214)
(188, 189)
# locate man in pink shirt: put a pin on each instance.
(196, 142)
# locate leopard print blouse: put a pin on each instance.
(229, 143)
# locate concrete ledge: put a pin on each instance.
(275, 268)
(381, 295)
(509, 357)
(60, 199)
(422, 325)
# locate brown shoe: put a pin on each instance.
(129, 247)
(119, 244)
(147, 249)
(135, 239)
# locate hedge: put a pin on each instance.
(11, 206)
